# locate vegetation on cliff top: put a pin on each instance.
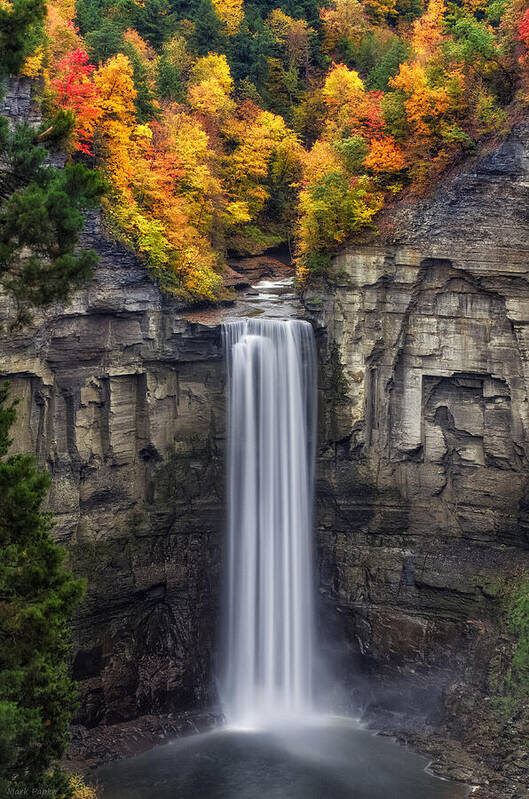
(224, 125)
(40, 206)
(40, 220)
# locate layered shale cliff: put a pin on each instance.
(423, 488)
(122, 400)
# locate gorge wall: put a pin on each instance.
(122, 400)
(423, 489)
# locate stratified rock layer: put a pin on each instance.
(122, 400)
(423, 489)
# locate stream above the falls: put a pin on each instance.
(267, 298)
(334, 760)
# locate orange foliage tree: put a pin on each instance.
(145, 166)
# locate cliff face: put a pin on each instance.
(423, 490)
(122, 399)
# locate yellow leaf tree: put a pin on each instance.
(231, 13)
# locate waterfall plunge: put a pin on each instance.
(269, 646)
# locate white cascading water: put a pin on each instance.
(269, 646)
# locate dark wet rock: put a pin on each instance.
(242, 273)
(91, 748)
(274, 264)
(122, 400)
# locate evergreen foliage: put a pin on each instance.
(40, 221)
(105, 41)
(40, 206)
(37, 598)
(20, 32)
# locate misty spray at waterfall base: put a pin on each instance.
(274, 745)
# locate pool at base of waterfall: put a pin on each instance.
(332, 759)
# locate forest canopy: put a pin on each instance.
(226, 127)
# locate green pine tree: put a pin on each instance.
(207, 35)
(169, 83)
(104, 40)
(41, 216)
(41, 207)
(155, 21)
(37, 598)
(145, 98)
(21, 29)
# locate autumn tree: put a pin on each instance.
(210, 86)
(231, 14)
(265, 151)
(392, 91)
(333, 206)
(294, 37)
(76, 92)
(343, 20)
(173, 68)
(61, 36)
(342, 89)
(427, 34)
(385, 156)
(522, 31)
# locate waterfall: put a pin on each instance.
(269, 624)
